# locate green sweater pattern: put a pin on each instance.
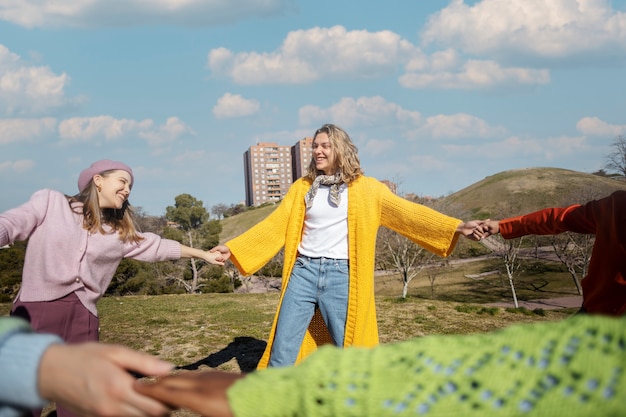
(575, 367)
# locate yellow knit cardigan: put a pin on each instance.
(370, 204)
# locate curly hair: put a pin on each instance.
(345, 155)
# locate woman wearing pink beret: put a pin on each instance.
(75, 244)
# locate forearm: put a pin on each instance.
(189, 252)
(20, 356)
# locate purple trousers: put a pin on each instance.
(65, 317)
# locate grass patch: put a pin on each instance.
(229, 331)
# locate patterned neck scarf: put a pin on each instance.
(333, 180)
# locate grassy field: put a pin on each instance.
(229, 331)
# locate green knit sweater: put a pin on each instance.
(576, 367)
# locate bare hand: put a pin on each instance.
(215, 258)
(491, 227)
(201, 392)
(473, 230)
(92, 380)
(223, 250)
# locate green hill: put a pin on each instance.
(504, 194)
(519, 191)
(236, 225)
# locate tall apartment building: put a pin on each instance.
(268, 172)
(270, 169)
(301, 154)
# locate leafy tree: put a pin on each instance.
(11, 265)
(210, 233)
(190, 215)
(188, 212)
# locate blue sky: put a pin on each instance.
(436, 95)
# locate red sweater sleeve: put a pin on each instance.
(551, 221)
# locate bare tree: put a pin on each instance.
(616, 160)
(218, 210)
(403, 255)
(433, 273)
(399, 253)
(574, 249)
(508, 250)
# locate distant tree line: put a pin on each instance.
(188, 222)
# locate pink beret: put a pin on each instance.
(99, 167)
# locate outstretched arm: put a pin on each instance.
(215, 258)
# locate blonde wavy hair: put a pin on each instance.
(345, 155)
(121, 221)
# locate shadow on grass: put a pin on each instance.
(245, 349)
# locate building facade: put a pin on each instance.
(268, 172)
(270, 169)
(301, 155)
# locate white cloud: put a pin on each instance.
(366, 111)
(377, 147)
(167, 133)
(474, 74)
(378, 112)
(425, 163)
(594, 126)
(18, 130)
(308, 55)
(548, 29)
(83, 129)
(26, 89)
(99, 13)
(515, 147)
(459, 126)
(18, 167)
(86, 129)
(234, 105)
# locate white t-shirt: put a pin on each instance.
(326, 226)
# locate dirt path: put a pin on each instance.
(546, 303)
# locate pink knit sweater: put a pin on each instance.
(62, 257)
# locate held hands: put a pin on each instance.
(491, 227)
(201, 392)
(215, 258)
(222, 251)
(479, 229)
(471, 230)
(92, 380)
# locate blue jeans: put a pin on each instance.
(314, 282)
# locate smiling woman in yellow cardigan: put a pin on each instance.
(370, 204)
